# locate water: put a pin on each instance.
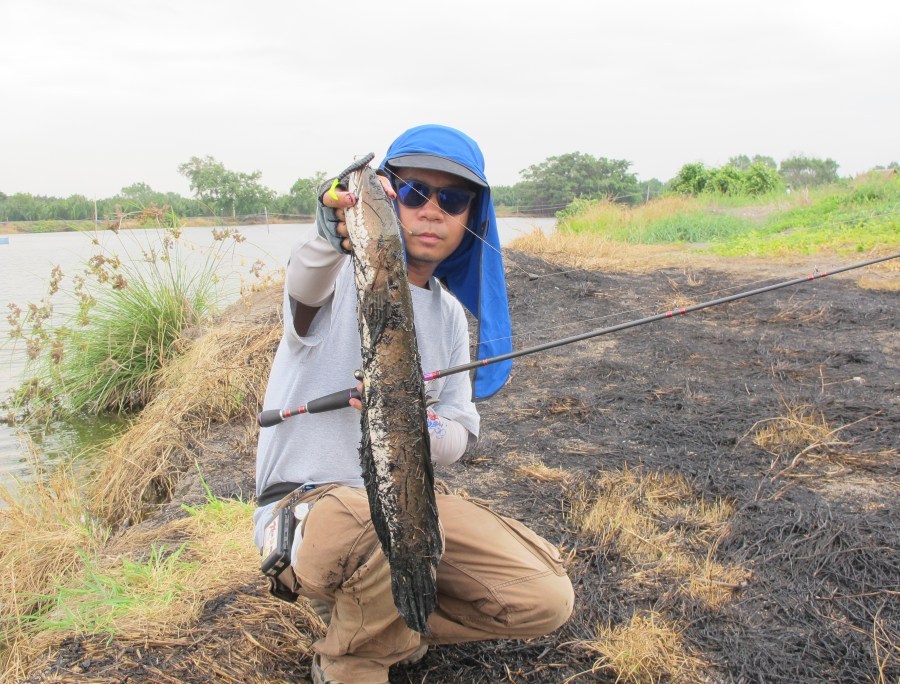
(25, 266)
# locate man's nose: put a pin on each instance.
(431, 208)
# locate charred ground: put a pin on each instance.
(818, 533)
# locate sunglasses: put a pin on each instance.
(414, 194)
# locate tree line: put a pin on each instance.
(545, 188)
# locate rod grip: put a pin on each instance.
(332, 402)
(269, 418)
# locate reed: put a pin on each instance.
(129, 317)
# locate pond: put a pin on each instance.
(26, 262)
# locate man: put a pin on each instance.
(496, 579)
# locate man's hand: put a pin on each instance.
(356, 403)
(339, 199)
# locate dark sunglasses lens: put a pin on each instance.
(454, 200)
(412, 195)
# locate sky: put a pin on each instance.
(98, 94)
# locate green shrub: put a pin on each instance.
(730, 181)
(761, 179)
(691, 179)
(726, 181)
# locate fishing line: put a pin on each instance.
(643, 309)
(450, 217)
(535, 276)
(341, 399)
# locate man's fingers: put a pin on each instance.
(338, 199)
(388, 188)
(356, 403)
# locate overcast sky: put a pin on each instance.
(98, 94)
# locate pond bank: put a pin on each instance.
(801, 520)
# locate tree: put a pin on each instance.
(139, 194)
(761, 178)
(649, 189)
(803, 172)
(557, 181)
(691, 179)
(726, 181)
(743, 163)
(224, 190)
(303, 193)
(503, 195)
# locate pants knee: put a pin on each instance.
(557, 600)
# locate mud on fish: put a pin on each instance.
(394, 451)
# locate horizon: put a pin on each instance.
(189, 195)
(101, 95)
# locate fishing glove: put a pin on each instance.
(327, 220)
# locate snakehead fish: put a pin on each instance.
(394, 451)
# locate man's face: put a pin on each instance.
(430, 233)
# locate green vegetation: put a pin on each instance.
(128, 320)
(668, 219)
(757, 179)
(805, 172)
(557, 181)
(103, 597)
(217, 191)
(858, 216)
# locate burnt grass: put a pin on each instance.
(819, 537)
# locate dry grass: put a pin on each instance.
(55, 573)
(613, 216)
(542, 473)
(216, 549)
(219, 376)
(802, 428)
(645, 650)
(877, 280)
(657, 523)
(803, 435)
(595, 252)
(44, 534)
(166, 611)
(250, 638)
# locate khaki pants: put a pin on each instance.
(496, 579)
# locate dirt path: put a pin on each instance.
(818, 537)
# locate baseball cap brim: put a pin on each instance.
(435, 163)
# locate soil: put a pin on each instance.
(819, 535)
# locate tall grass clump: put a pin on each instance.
(127, 317)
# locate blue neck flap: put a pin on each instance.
(474, 272)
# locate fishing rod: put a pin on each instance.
(339, 400)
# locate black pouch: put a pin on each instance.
(276, 552)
